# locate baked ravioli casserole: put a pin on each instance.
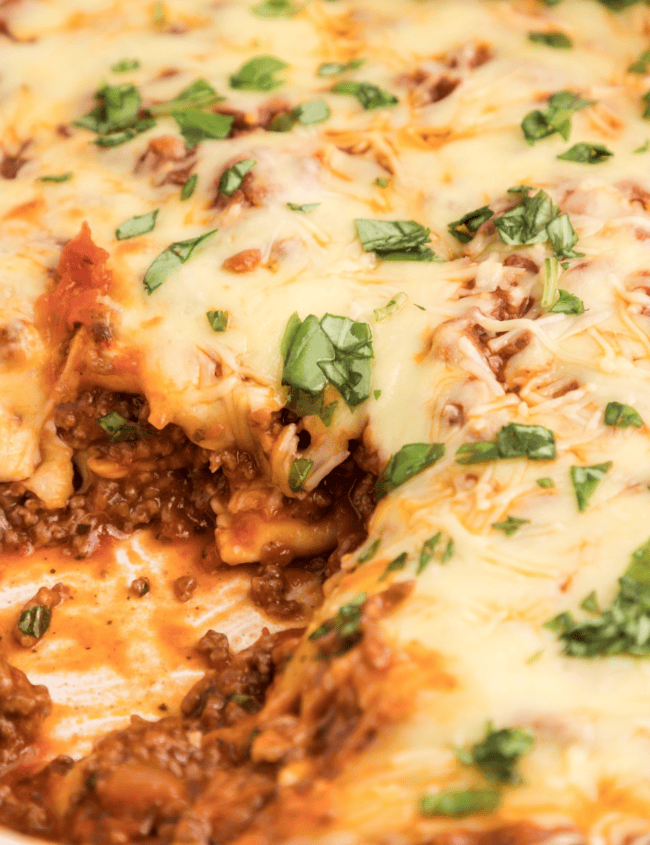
(324, 422)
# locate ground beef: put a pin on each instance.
(210, 774)
(164, 481)
(23, 707)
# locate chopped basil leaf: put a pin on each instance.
(306, 208)
(35, 621)
(376, 393)
(346, 624)
(466, 227)
(567, 303)
(643, 148)
(170, 260)
(395, 565)
(197, 95)
(313, 111)
(139, 225)
(234, 176)
(117, 107)
(646, 100)
(218, 320)
(498, 754)
(370, 552)
(334, 68)
(121, 136)
(335, 350)
(517, 440)
(559, 40)
(412, 459)
(545, 483)
(477, 453)
(299, 472)
(58, 177)
(370, 96)
(562, 237)
(327, 413)
(642, 64)
(622, 416)
(197, 126)
(537, 219)
(551, 278)
(429, 549)
(188, 188)
(382, 181)
(466, 802)
(306, 404)
(258, 74)
(514, 440)
(622, 629)
(586, 153)
(590, 603)
(539, 124)
(246, 702)
(120, 429)
(276, 9)
(125, 65)
(510, 525)
(391, 307)
(395, 240)
(585, 480)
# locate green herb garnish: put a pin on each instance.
(510, 525)
(306, 208)
(125, 65)
(135, 226)
(258, 74)
(457, 804)
(335, 69)
(622, 416)
(497, 755)
(198, 95)
(35, 621)
(556, 118)
(585, 480)
(57, 177)
(170, 260)
(395, 240)
(198, 126)
(370, 96)
(559, 40)
(432, 550)
(299, 472)
(313, 111)
(120, 429)
(545, 483)
(370, 552)
(412, 459)
(218, 320)
(466, 227)
(624, 628)
(233, 177)
(335, 350)
(587, 153)
(276, 9)
(392, 306)
(514, 440)
(642, 64)
(188, 188)
(395, 565)
(567, 303)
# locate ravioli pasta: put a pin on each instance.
(352, 297)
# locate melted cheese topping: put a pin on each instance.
(460, 358)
